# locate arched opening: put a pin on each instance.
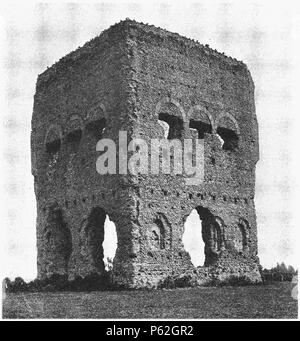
(200, 122)
(204, 235)
(166, 128)
(155, 239)
(241, 235)
(101, 239)
(201, 127)
(160, 234)
(96, 128)
(73, 140)
(227, 132)
(52, 141)
(110, 243)
(93, 132)
(94, 234)
(74, 134)
(172, 125)
(58, 241)
(192, 239)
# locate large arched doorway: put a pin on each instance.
(203, 238)
(192, 239)
(110, 243)
(101, 239)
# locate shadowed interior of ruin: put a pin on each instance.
(201, 127)
(96, 128)
(175, 125)
(94, 232)
(53, 142)
(53, 147)
(229, 137)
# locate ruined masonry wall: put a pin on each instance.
(132, 77)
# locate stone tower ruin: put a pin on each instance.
(131, 78)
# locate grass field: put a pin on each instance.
(264, 301)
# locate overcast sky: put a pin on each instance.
(33, 37)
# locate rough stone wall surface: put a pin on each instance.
(136, 78)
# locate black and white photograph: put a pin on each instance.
(149, 162)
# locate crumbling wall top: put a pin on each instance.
(119, 30)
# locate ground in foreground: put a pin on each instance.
(263, 301)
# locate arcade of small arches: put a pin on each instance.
(224, 126)
(93, 125)
(73, 135)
